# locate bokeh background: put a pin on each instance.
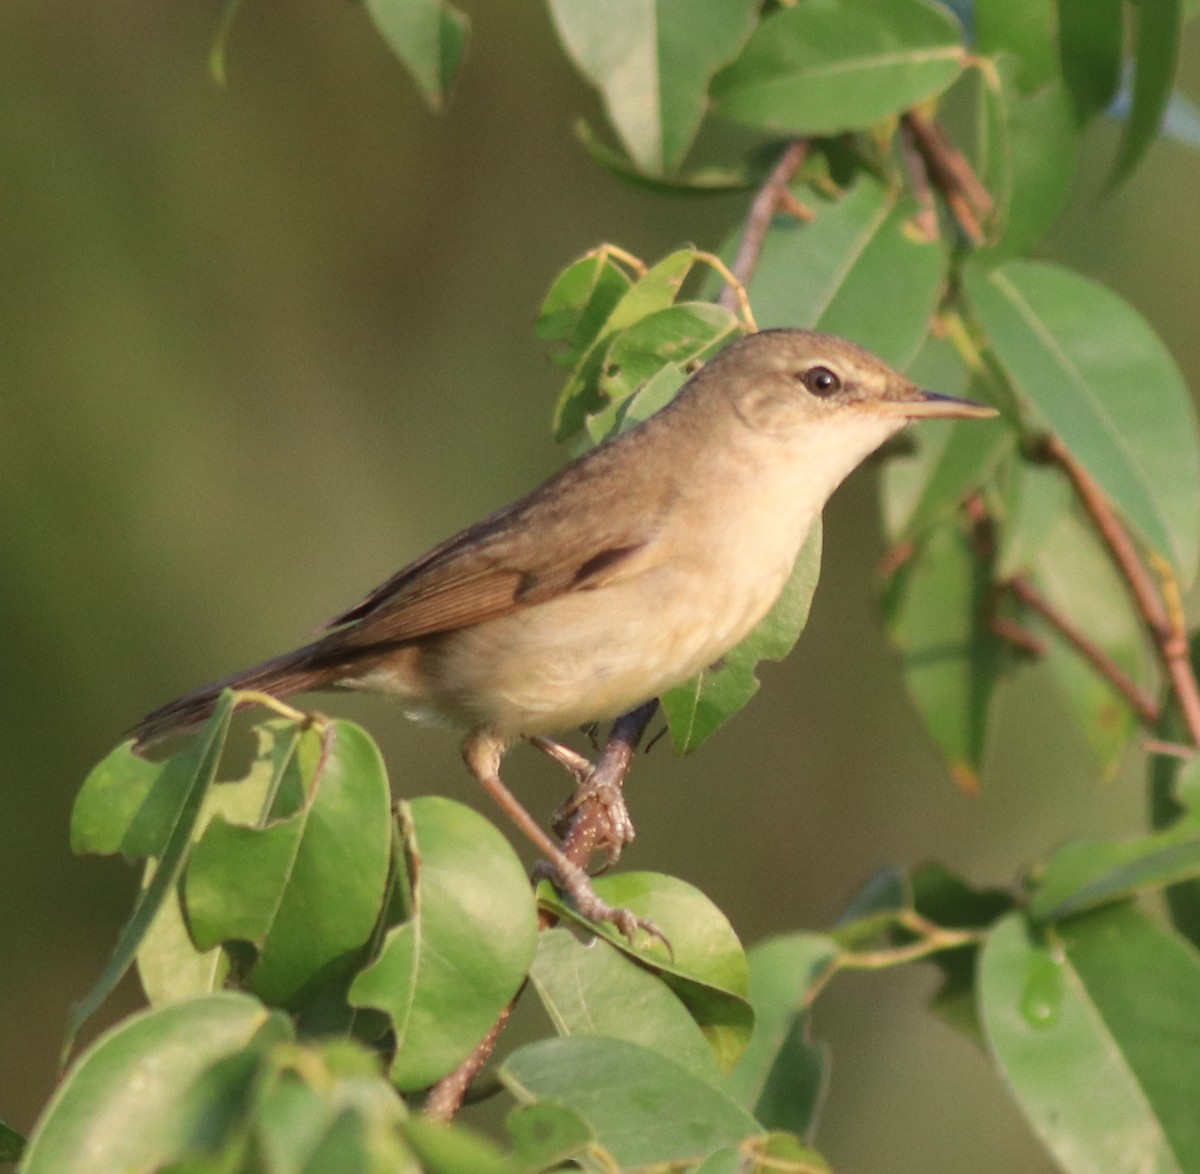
(259, 346)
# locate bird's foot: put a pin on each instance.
(574, 882)
(601, 803)
(598, 803)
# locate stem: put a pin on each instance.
(1144, 705)
(950, 173)
(1165, 625)
(588, 827)
(758, 220)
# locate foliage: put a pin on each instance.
(310, 953)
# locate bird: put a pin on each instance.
(636, 566)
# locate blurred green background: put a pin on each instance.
(259, 346)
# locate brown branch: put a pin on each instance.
(589, 830)
(1018, 636)
(770, 197)
(918, 176)
(1142, 704)
(949, 172)
(1166, 629)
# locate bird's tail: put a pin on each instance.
(302, 671)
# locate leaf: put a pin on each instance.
(697, 709)
(934, 607)
(1090, 36)
(1085, 874)
(428, 36)
(1019, 28)
(306, 885)
(652, 61)
(453, 1150)
(953, 460)
(782, 1076)
(1095, 371)
(1159, 27)
(707, 967)
(856, 270)
(707, 181)
(825, 67)
(671, 340)
(1097, 1037)
(594, 989)
(1028, 149)
(12, 1143)
(643, 1109)
(544, 1136)
(654, 290)
(122, 1105)
(578, 305)
(189, 774)
(1074, 573)
(446, 973)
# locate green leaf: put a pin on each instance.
(170, 965)
(707, 181)
(782, 1076)
(1073, 571)
(829, 66)
(446, 973)
(1036, 499)
(665, 343)
(935, 610)
(1086, 874)
(1097, 1037)
(1090, 36)
(707, 967)
(697, 709)
(594, 989)
(12, 1143)
(652, 61)
(952, 460)
(306, 884)
(545, 1136)
(123, 1104)
(1159, 27)
(655, 290)
(168, 834)
(1095, 371)
(1019, 28)
(428, 36)
(453, 1150)
(578, 305)
(643, 1109)
(858, 270)
(1028, 150)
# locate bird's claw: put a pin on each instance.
(578, 887)
(614, 826)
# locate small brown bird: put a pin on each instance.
(628, 572)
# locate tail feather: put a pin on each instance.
(301, 671)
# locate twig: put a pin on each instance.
(1144, 705)
(914, 164)
(1018, 636)
(588, 830)
(951, 174)
(758, 220)
(1170, 638)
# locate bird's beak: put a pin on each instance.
(916, 403)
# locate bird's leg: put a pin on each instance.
(594, 785)
(482, 752)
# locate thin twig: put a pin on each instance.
(914, 164)
(758, 220)
(588, 830)
(1143, 704)
(1018, 636)
(951, 174)
(1170, 638)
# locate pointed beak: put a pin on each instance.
(920, 404)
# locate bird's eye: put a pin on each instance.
(821, 381)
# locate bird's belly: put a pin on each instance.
(592, 654)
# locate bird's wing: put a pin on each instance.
(554, 541)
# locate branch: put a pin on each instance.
(1165, 625)
(950, 173)
(771, 196)
(588, 830)
(1144, 705)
